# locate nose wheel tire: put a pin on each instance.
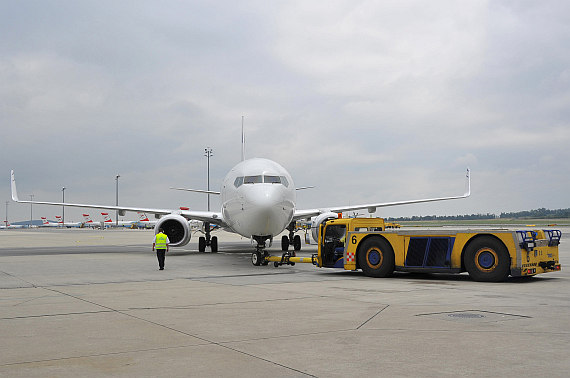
(214, 244)
(256, 258)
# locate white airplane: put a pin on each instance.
(88, 222)
(144, 221)
(258, 202)
(108, 222)
(46, 223)
(61, 223)
(7, 226)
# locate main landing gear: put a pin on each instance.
(208, 241)
(258, 257)
(292, 239)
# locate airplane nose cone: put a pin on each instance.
(268, 211)
(264, 197)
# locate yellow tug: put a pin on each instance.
(486, 254)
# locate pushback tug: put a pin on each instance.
(486, 254)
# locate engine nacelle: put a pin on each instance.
(316, 224)
(176, 228)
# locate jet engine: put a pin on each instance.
(320, 219)
(176, 228)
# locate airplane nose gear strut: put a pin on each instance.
(258, 257)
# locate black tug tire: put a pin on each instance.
(214, 244)
(284, 243)
(297, 243)
(487, 259)
(376, 257)
(202, 244)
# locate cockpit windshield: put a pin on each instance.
(272, 179)
(253, 179)
(258, 179)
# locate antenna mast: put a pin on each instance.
(242, 141)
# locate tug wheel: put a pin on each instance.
(487, 259)
(376, 257)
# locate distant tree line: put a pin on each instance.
(538, 213)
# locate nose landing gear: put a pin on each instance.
(258, 257)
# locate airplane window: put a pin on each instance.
(272, 179)
(253, 179)
(284, 181)
(238, 182)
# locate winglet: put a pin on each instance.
(13, 185)
(468, 183)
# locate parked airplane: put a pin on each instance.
(258, 202)
(61, 223)
(88, 222)
(46, 223)
(108, 222)
(144, 221)
(7, 226)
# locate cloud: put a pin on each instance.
(368, 101)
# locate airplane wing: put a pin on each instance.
(307, 213)
(206, 216)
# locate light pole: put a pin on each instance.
(117, 200)
(63, 208)
(31, 211)
(208, 152)
(6, 221)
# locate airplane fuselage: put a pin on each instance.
(258, 198)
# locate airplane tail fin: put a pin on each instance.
(107, 218)
(87, 218)
(13, 187)
(143, 217)
(44, 220)
(468, 183)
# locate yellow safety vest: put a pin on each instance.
(160, 241)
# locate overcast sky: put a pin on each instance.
(366, 100)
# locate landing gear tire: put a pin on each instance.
(256, 258)
(376, 257)
(297, 243)
(284, 243)
(214, 244)
(202, 244)
(486, 259)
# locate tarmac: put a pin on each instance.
(93, 303)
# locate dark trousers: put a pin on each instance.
(160, 253)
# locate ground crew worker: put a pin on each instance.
(161, 243)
